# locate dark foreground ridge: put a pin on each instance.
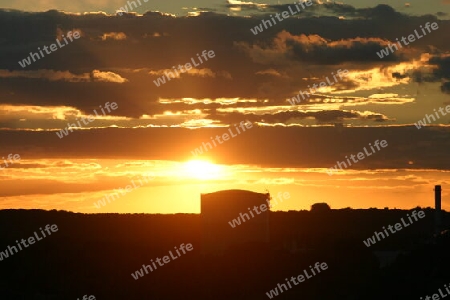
(95, 254)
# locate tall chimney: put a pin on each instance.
(437, 209)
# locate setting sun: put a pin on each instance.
(202, 169)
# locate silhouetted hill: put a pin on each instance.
(96, 254)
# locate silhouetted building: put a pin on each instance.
(437, 209)
(229, 219)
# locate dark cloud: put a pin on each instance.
(318, 9)
(442, 62)
(326, 116)
(445, 88)
(120, 46)
(316, 50)
(263, 146)
(398, 75)
(441, 71)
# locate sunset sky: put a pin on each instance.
(155, 129)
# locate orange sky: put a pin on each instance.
(68, 163)
(77, 184)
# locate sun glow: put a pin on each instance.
(202, 169)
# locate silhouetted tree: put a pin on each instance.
(319, 207)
